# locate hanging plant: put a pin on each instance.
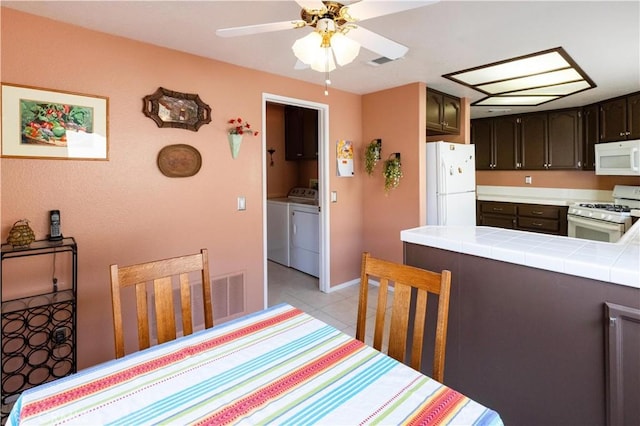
(392, 172)
(372, 155)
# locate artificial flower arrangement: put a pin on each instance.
(392, 172)
(372, 155)
(240, 127)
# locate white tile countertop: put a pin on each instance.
(617, 263)
(546, 196)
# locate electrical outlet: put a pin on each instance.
(527, 180)
(59, 335)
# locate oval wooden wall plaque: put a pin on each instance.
(179, 160)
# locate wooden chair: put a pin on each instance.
(161, 272)
(405, 278)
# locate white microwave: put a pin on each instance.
(618, 158)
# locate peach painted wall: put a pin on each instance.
(394, 116)
(124, 210)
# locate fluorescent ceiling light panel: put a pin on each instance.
(522, 80)
(515, 100)
(558, 89)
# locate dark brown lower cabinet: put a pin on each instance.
(527, 217)
(622, 331)
(530, 343)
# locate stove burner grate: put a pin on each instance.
(618, 208)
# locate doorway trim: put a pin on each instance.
(323, 185)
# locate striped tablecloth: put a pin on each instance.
(278, 366)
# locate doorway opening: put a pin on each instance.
(322, 181)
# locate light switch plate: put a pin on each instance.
(334, 196)
(242, 203)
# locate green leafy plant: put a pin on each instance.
(392, 172)
(372, 156)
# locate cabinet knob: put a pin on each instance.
(621, 133)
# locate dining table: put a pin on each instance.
(276, 366)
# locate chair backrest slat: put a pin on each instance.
(408, 283)
(161, 273)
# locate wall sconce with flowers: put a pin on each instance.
(372, 155)
(238, 129)
(392, 172)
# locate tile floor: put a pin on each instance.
(338, 309)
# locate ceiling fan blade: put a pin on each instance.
(377, 43)
(260, 28)
(311, 4)
(372, 9)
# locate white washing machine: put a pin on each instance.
(304, 230)
(293, 230)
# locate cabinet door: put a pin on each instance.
(301, 133)
(309, 134)
(633, 116)
(293, 133)
(505, 139)
(613, 120)
(590, 134)
(622, 334)
(533, 134)
(563, 147)
(482, 138)
(435, 108)
(451, 114)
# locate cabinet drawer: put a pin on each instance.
(532, 223)
(498, 221)
(498, 208)
(533, 210)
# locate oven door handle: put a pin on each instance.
(595, 223)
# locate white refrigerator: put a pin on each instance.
(451, 184)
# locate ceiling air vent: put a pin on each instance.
(379, 61)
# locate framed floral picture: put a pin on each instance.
(50, 124)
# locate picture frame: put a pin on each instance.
(168, 108)
(53, 124)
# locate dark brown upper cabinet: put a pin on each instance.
(620, 118)
(537, 141)
(482, 137)
(590, 135)
(443, 113)
(564, 144)
(495, 140)
(533, 142)
(300, 133)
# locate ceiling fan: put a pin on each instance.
(336, 27)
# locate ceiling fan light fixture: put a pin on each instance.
(308, 47)
(345, 49)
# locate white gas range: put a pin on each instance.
(604, 221)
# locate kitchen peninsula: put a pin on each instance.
(527, 318)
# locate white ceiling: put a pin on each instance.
(603, 37)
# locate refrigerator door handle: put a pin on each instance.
(442, 211)
(443, 178)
